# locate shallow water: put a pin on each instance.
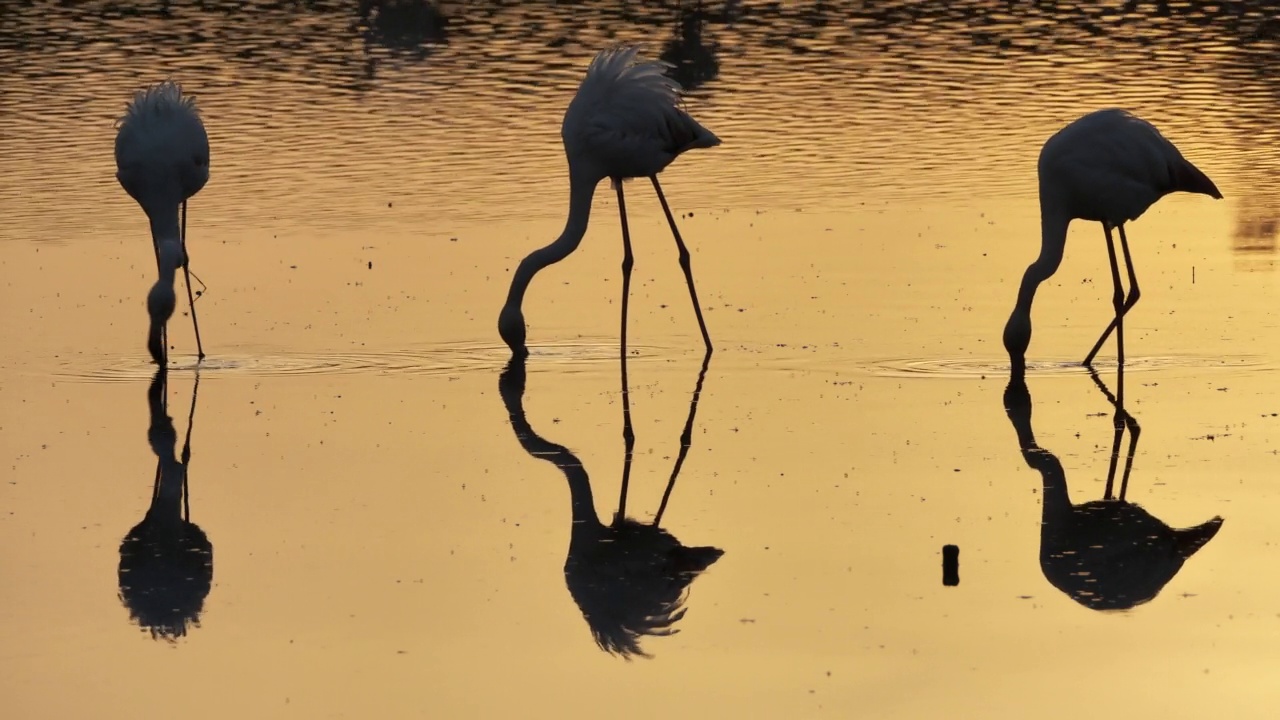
(388, 515)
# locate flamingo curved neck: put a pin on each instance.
(164, 222)
(168, 260)
(1055, 500)
(581, 190)
(511, 388)
(1053, 239)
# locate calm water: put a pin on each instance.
(354, 509)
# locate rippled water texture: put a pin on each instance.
(356, 508)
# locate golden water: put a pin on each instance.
(382, 543)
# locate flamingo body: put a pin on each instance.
(162, 154)
(624, 122)
(1112, 554)
(1108, 166)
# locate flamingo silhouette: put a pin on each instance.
(624, 122)
(166, 561)
(629, 579)
(691, 57)
(1108, 166)
(1106, 554)
(162, 159)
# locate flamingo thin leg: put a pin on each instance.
(1121, 420)
(1118, 423)
(628, 433)
(627, 261)
(186, 272)
(1134, 431)
(1117, 301)
(686, 439)
(1129, 302)
(186, 451)
(684, 262)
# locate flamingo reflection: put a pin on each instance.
(1105, 554)
(166, 561)
(630, 579)
(692, 57)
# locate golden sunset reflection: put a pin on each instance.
(362, 510)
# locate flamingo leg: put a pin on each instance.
(186, 451)
(1117, 301)
(1118, 423)
(1121, 421)
(684, 262)
(628, 432)
(1129, 302)
(186, 272)
(1134, 431)
(686, 439)
(629, 443)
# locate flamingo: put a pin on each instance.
(629, 579)
(166, 561)
(624, 122)
(162, 159)
(1108, 166)
(1107, 554)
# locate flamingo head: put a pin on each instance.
(160, 304)
(1017, 337)
(511, 328)
(162, 299)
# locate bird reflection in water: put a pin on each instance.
(630, 579)
(1105, 554)
(166, 561)
(691, 56)
(409, 28)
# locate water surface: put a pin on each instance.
(386, 516)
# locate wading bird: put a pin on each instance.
(630, 579)
(162, 159)
(1109, 167)
(624, 122)
(166, 561)
(1106, 554)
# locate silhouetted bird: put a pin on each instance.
(1106, 554)
(629, 579)
(166, 561)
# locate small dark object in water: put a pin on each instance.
(950, 565)
(370, 264)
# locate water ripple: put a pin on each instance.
(456, 359)
(377, 114)
(958, 368)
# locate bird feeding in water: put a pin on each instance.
(1109, 167)
(624, 122)
(162, 299)
(162, 159)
